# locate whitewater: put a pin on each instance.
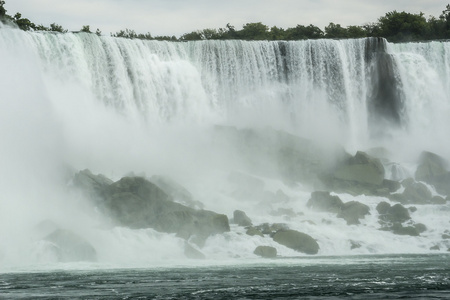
(76, 101)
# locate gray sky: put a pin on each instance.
(175, 17)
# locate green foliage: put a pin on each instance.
(2, 9)
(394, 26)
(86, 28)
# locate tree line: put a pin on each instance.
(394, 26)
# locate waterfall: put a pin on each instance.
(117, 105)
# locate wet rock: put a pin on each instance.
(92, 185)
(353, 211)
(435, 247)
(252, 231)
(354, 245)
(399, 229)
(137, 203)
(287, 212)
(323, 201)
(433, 169)
(417, 193)
(361, 168)
(270, 229)
(266, 251)
(395, 214)
(383, 207)
(241, 218)
(296, 240)
(70, 247)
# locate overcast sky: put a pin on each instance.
(175, 17)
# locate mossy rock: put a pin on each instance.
(266, 251)
(296, 240)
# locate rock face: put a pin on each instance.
(323, 201)
(241, 218)
(266, 251)
(414, 193)
(350, 211)
(353, 211)
(357, 175)
(296, 240)
(361, 168)
(135, 202)
(433, 169)
(69, 246)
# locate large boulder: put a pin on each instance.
(433, 169)
(323, 201)
(296, 240)
(353, 211)
(241, 218)
(394, 214)
(137, 203)
(266, 251)
(361, 168)
(69, 247)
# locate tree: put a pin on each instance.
(254, 31)
(192, 36)
(98, 32)
(403, 26)
(86, 28)
(301, 32)
(2, 9)
(57, 28)
(23, 23)
(335, 31)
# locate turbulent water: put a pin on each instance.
(76, 101)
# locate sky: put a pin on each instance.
(176, 17)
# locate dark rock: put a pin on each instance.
(420, 227)
(354, 245)
(430, 166)
(270, 229)
(417, 193)
(252, 231)
(266, 251)
(353, 211)
(435, 247)
(383, 207)
(323, 201)
(399, 229)
(433, 169)
(361, 168)
(391, 185)
(296, 240)
(241, 218)
(71, 247)
(192, 253)
(137, 203)
(396, 214)
(412, 209)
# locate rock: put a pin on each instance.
(296, 240)
(417, 193)
(412, 209)
(266, 251)
(323, 201)
(430, 166)
(241, 218)
(396, 214)
(137, 203)
(192, 253)
(383, 207)
(270, 229)
(354, 245)
(433, 169)
(90, 184)
(178, 193)
(361, 168)
(446, 235)
(353, 211)
(398, 228)
(438, 200)
(287, 212)
(71, 247)
(420, 227)
(435, 247)
(391, 185)
(252, 231)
